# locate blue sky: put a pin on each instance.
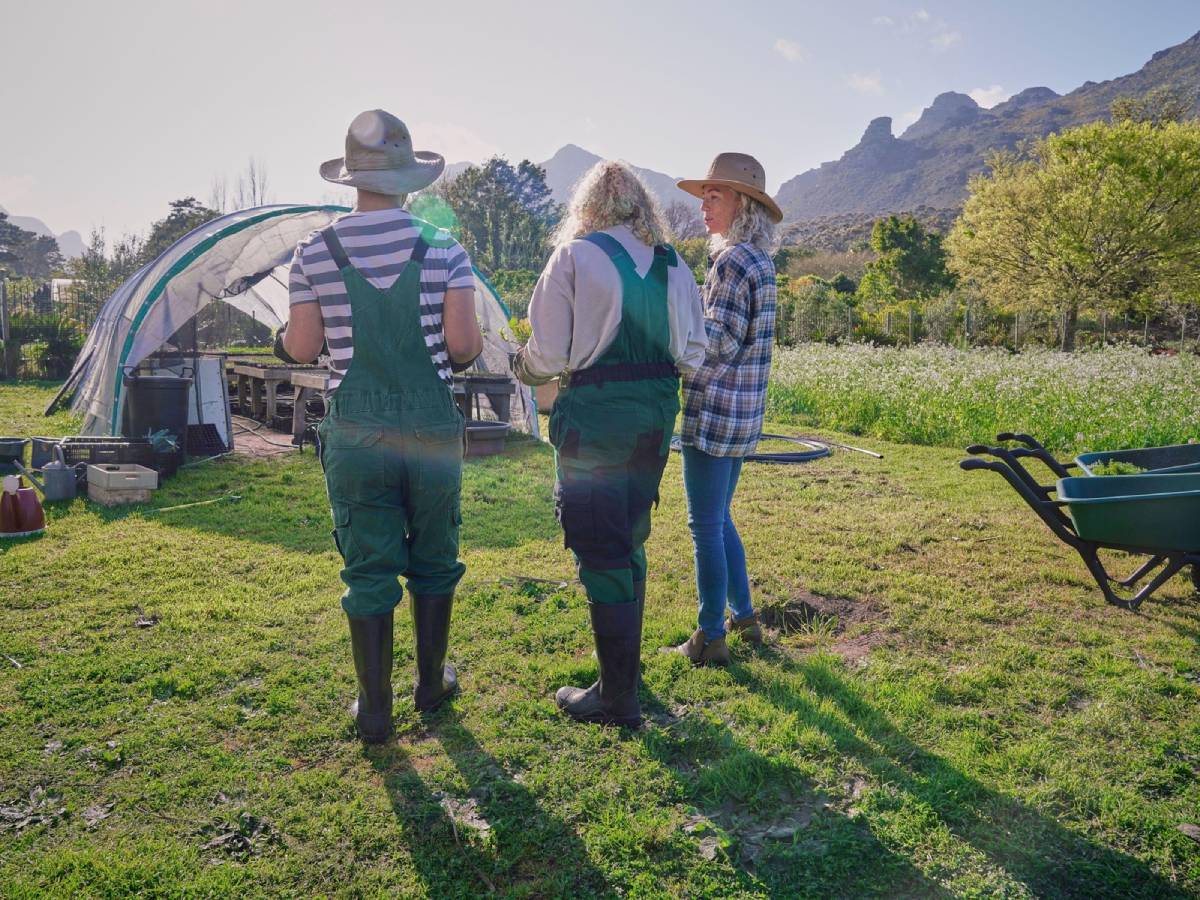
(111, 110)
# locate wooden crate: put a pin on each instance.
(118, 496)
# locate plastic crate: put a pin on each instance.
(107, 450)
(204, 440)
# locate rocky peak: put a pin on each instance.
(878, 132)
(949, 110)
(1026, 98)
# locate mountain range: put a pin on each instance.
(69, 242)
(929, 164)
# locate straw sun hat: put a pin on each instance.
(739, 171)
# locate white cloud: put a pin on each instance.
(455, 142)
(921, 15)
(883, 20)
(944, 40)
(789, 50)
(870, 85)
(989, 96)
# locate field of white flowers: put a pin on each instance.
(1094, 400)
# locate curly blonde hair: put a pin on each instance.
(611, 194)
(751, 224)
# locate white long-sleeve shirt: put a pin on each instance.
(576, 310)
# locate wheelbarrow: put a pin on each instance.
(1176, 459)
(1154, 515)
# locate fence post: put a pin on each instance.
(910, 325)
(3, 309)
(849, 324)
(1103, 327)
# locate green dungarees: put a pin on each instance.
(611, 430)
(391, 447)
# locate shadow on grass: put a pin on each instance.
(507, 501)
(525, 852)
(1031, 846)
(775, 830)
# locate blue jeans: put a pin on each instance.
(720, 559)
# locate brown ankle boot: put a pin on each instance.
(703, 652)
(748, 628)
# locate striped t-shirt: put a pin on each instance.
(378, 243)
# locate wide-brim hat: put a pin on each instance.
(380, 157)
(739, 171)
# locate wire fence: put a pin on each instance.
(1174, 328)
(42, 327)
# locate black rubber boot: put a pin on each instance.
(613, 699)
(436, 678)
(371, 644)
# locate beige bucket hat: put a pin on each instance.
(739, 171)
(380, 157)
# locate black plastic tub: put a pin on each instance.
(12, 451)
(42, 451)
(486, 438)
(156, 403)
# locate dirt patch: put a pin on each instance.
(256, 440)
(849, 624)
(808, 612)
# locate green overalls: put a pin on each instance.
(391, 447)
(611, 429)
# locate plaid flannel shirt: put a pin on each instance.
(724, 401)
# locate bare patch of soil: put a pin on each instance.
(254, 439)
(831, 617)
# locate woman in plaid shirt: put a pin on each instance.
(723, 401)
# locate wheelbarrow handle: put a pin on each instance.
(975, 462)
(1061, 469)
(1031, 492)
(1031, 442)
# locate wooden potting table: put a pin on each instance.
(260, 385)
(497, 388)
(306, 383)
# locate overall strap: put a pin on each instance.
(342, 261)
(336, 250)
(611, 246)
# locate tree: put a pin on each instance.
(911, 261)
(252, 186)
(504, 213)
(684, 221)
(1102, 216)
(97, 274)
(185, 215)
(25, 254)
(1158, 107)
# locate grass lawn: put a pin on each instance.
(975, 722)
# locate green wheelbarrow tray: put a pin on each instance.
(1152, 515)
(1175, 459)
(1159, 513)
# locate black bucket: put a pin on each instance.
(156, 403)
(12, 450)
(42, 451)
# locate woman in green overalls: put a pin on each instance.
(616, 317)
(394, 299)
